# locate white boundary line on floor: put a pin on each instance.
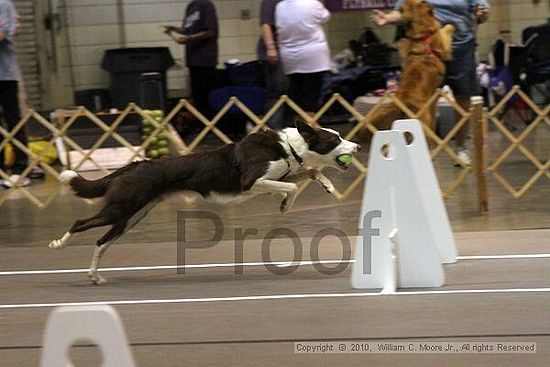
(171, 267)
(247, 264)
(272, 297)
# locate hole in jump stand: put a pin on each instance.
(409, 138)
(85, 353)
(388, 151)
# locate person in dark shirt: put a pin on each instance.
(267, 53)
(199, 33)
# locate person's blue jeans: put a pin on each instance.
(461, 71)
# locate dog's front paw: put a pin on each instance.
(329, 188)
(327, 185)
(95, 278)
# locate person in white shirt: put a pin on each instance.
(303, 49)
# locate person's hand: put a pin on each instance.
(482, 14)
(168, 28)
(379, 18)
(272, 55)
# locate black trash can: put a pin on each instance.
(126, 66)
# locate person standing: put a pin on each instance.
(272, 69)
(461, 71)
(9, 89)
(199, 33)
(303, 49)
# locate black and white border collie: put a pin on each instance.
(264, 162)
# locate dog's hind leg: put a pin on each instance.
(60, 242)
(79, 226)
(118, 229)
(102, 245)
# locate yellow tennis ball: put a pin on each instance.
(345, 159)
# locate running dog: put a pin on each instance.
(262, 163)
(424, 52)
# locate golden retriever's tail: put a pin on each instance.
(384, 116)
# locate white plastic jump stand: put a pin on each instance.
(402, 247)
(433, 200)
(89, 324)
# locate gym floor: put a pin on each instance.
(499, 290)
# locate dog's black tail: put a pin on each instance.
(92, 189)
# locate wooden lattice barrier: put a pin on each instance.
(9, 137)
(110, 131)
(36, 160)
(518, 142)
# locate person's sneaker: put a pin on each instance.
(463, 157)
(37, 172)
(14, 178)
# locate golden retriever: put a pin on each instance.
(424, 52)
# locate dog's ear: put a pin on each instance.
(308, 133)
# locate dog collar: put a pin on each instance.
(296, 156)
(428, 50)
(299, 159)
(426, 40)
